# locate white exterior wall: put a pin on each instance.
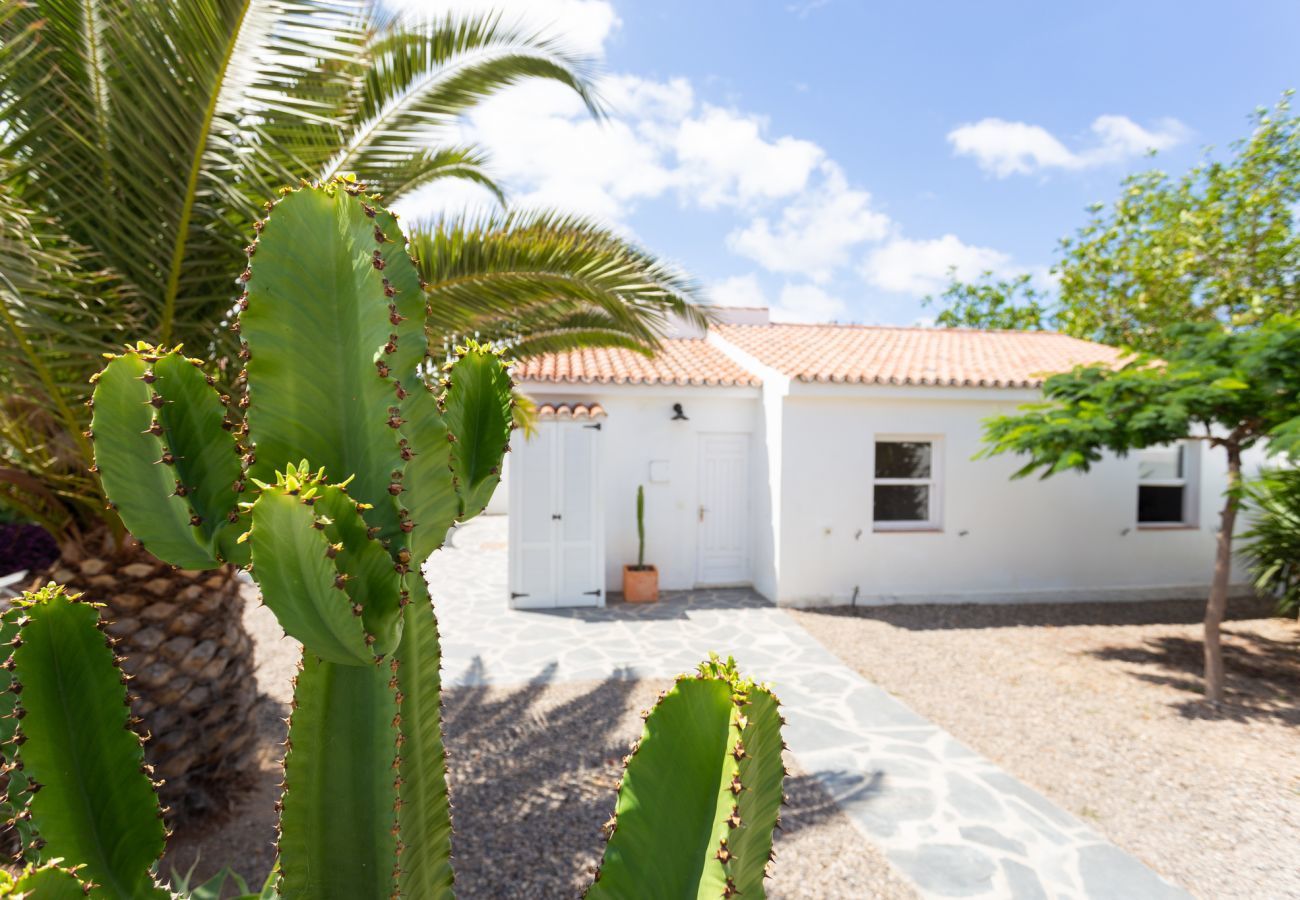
(637, 430)
(1071, 537)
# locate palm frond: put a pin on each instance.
(511, 275)
(139, 140)
(465, 163)
(54, 317)
(416, 78)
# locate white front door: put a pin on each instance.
(723, 515)
(555, 534)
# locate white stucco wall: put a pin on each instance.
(1071, 537)
(639, 429)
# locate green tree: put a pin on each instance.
(141, 140)
(1009, 304)
(1217, 243)
(1231, 388)
(1272, 543)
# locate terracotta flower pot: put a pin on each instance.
(640, 585)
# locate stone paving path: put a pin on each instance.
(949, 819)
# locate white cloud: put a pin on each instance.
(796, 303)
(628, 96)
(551, 153)
(921, 267)
(808, 303)
(1018, 148)
(802, 217)
(658, 139)
(815, 232)
(805, 8)
(725, 159)
(738, 290)
(582, 26)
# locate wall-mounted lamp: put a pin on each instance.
(678, 415)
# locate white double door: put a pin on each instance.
(556, 529)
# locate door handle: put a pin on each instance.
(702, 513)
(555, 517)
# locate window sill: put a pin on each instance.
(1166, 526)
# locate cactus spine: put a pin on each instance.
(339, 469)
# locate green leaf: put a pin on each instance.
(701, 793)
(214, 887)
(371, 582)
(762, 771)
(536, 281)
(338, 834)
(476, 404)
(196, 431)
(674, 799)
(430, 492)
(426, 814)
(316, 324)
(49, 882)
(96, 806)
(134, 466)
(299, 581)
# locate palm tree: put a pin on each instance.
(139, 140)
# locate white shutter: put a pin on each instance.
(532, 529)
(580, 584)
(556, 534)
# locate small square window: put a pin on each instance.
(902, 503)
(1158, 503)
(1165, 490)
(902, 459)
(904, 491)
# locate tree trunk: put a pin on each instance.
(1218, 602)
(183, 642)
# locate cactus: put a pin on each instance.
(701, 794)
(332, 477)
(640, 526)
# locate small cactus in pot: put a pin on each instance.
(640, 582)
(338, 372)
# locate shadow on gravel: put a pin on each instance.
(532, 788)
(959, 616)
(1263, 674)
(532, 781)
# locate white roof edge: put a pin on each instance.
(771, 378)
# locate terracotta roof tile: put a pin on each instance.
(923, 356)
(681, 362)
(570, 411)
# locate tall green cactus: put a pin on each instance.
(701, 794)
(334, 475)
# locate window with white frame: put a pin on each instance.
(1167, 485)
(905, 490)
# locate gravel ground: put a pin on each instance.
(1099, 707)
(533, 770)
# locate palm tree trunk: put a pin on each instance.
(1218, 602)
(190, 658)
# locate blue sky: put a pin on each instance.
(832, 159)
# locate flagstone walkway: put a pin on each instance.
(950, 820)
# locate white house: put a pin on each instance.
(834, 464)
